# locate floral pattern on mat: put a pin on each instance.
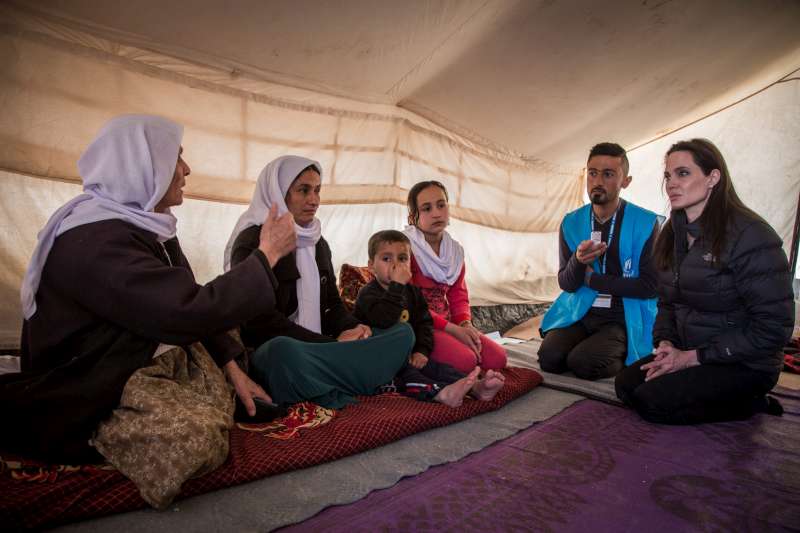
(37, 472)
(304, 415)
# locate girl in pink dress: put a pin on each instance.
(437, 268)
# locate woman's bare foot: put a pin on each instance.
(453, 394)
(485, 389)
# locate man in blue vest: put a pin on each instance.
(604, 318)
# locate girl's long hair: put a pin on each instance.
(413, 193)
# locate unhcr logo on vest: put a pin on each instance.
(627, 268)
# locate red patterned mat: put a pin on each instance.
(37, 495)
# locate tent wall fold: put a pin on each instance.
(59, 85)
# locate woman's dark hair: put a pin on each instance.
(309, 167)
(723, 203)
(413, 193)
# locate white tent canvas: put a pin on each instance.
(500, 100)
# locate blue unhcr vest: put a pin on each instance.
(569, 307)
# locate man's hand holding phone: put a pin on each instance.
(589, 250)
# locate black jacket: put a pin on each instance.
(111, 280)
(383, 308)
(276, 323)
(739, 311)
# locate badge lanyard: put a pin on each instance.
(610, 237)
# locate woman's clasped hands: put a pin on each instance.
(669, 359)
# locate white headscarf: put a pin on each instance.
(443, 268)
(126, 171)
(271, 188)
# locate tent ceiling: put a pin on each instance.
(542, 78)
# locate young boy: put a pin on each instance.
(389, 299)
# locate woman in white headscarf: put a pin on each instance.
(298, 357)
(108, 290)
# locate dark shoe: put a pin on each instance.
(769, 405)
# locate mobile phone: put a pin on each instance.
(264, 403)
(265, 412)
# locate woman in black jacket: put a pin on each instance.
(725, 308)
(297, 355)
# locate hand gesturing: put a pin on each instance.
(278, 237)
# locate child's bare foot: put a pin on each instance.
(485, 389)
(453, 394)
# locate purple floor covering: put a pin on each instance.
(597, 467)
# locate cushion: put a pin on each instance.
(351, 279)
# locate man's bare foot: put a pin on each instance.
(453, 394)
(485, 389)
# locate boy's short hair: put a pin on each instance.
(612, 150)
(385, 236)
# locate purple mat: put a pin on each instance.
(597, 467)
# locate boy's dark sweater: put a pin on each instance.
(383, 308)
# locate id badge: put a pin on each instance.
(597, 237)
(603, 301)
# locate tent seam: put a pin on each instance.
(783, 79)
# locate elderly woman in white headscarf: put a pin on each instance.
(298, 357)
(109, 292)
